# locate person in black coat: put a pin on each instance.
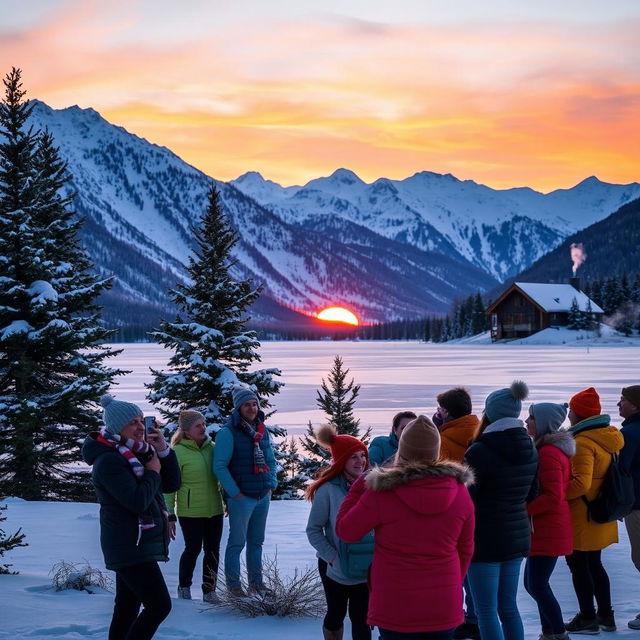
(130, 475)
(505, 462)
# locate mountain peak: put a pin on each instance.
(346, 176)
(251, 177)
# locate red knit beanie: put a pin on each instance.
(342, 447)
(586, 403)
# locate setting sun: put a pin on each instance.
(338, 314)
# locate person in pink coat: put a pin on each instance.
(551, 526)
(423, 520)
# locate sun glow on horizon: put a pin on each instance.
(338, 314)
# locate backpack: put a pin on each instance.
(616, 497)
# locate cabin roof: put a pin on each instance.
(551, 298)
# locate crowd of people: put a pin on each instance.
(440, 508)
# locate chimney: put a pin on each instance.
(575, 283)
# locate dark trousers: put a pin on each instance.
(537, 572)
(340, 597)
(140, 584)
(199, 534)
(590, 579)
(385, 634)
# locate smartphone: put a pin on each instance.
(149, 424)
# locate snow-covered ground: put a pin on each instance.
(556, 336)
(68, 531)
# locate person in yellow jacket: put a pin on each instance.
(596, 441)
(198, 505)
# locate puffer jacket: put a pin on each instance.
(422, 517)
(456, 436)
(233, 460)
(321, 532)
(596, 440)
(123, 498)
(199, 494)
(382, 449)
(551, 526)
(504, 461)
(630, 454)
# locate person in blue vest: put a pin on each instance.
(244, 463)
(383, 448)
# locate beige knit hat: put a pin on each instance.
(420, 441)
(188, 418)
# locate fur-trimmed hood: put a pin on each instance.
(563, 440)
(425, 488)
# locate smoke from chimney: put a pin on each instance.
(578, 255)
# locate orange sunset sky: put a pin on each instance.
(507, 93)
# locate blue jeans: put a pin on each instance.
(494, 587)
(247, 523)
(537, 571)
(470, 610)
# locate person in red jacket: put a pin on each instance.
(423, 519)
(552, 530)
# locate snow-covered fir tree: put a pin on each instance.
(575, 319)
(336, 397)
(212, 349)
(51, 355)
(9, 542)
(291, 479)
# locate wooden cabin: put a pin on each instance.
(528, 307)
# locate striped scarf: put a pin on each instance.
(259, 462)
(130, 450)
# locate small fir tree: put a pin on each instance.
(291, 481)
(51, 354)
(212, 350)
(337, 399)
(9, 542)
(575, 316)
(479, 321)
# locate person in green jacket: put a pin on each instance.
(198, 504)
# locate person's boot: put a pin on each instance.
(184, 593)
(332, 635)
(635, 623)
(467, 630)
(607, 622)
(580, 624)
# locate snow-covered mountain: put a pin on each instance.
(140, 199)
(500, 231)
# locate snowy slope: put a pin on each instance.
(501, 231)
(140, 199)
(70, 531)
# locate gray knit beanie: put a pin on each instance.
(549, 416)
(242, 395)
(118, 414)
(506, 403)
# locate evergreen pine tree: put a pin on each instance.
(479, 318)
(336, 398)
(291, 480)
(427, 330)
(575, 316)
(212, 350)
(51, 353)
(9, 542)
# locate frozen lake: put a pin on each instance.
(396, 376)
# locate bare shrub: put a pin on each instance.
(296, 596)
(80, 576)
